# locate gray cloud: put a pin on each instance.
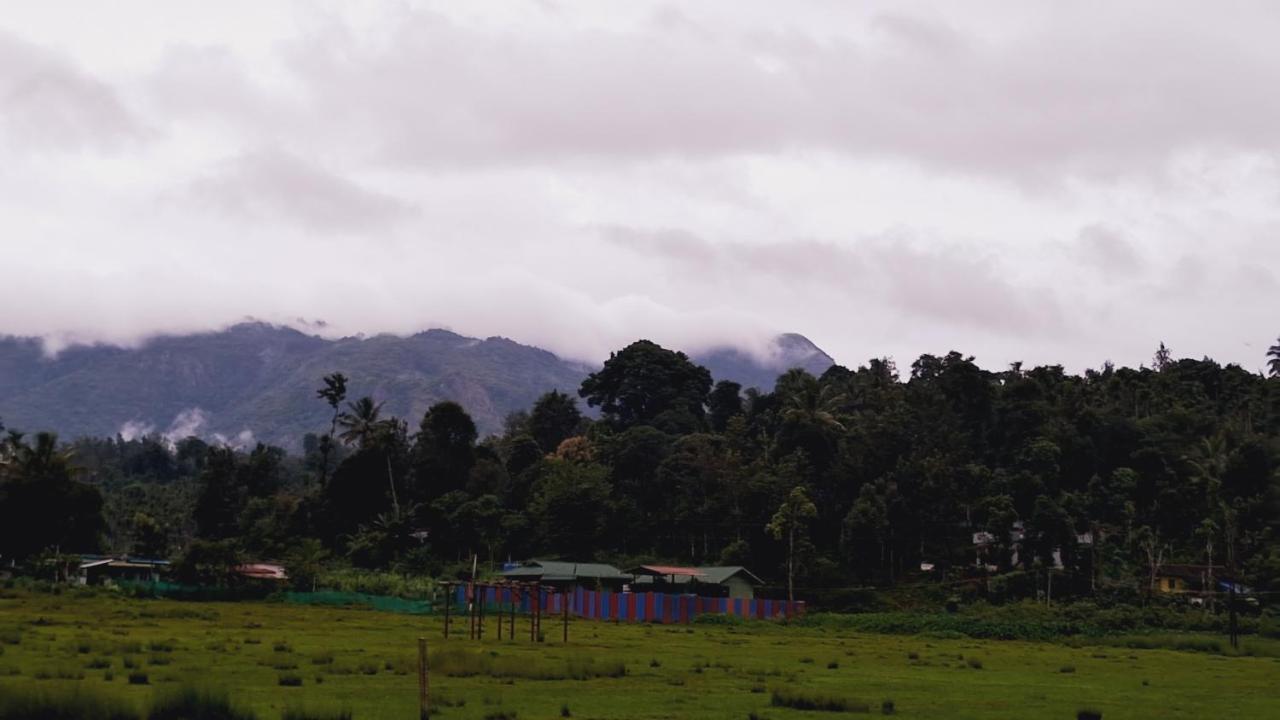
(1029, 181)
(1055, 92)
(1107, 249)
(944, 285)
(48, 103)
(277, 185)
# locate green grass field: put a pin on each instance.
(365, 661)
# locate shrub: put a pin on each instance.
(281, 647)
(159, 660)
(798, 700)
(138, 678)
(310, 714)
(1067, 669)
(457, 662)
(887, 707)
(188, 703)
(10, 637)
(58, 673)
(98, 664)
(411, 587)
(324, 658)
(833, 665)
(289, 680)
(75, 704)
(913, 655)
(974, 663)
(501, 715)
(157, 646)
(1088, 714)
(564, 711)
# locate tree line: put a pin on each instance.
(860, 477)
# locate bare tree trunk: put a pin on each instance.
(395, 502)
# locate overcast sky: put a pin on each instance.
(1057, 182)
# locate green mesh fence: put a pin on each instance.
(174, 591)
(377, 602)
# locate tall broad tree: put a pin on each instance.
(1273, 361)
(444, 452)
(42, 505)
(724, 403)
(645, 383)
(792, 520)
(554, 418)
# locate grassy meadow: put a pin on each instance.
(275, 658)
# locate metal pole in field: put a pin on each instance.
(564, 605)
(1234, 628)
(484, 596)
(424, 681)
(512, 635)
(498, 616)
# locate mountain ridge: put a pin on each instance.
(256, 381)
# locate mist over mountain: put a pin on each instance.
(256, 382)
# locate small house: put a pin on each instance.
(731, 581)
(268, 572)
(102, 570)
(1179, 579)
(564, 575)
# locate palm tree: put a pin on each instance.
(806, 399)
(1273, 364)
(44, 459)
(361, 423)
(362, 426)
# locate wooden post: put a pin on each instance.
(512, 634)
(498, 617)
(564, 605)
(471, 613)
(537, 611)
(484, 595)
(448, 600)
(424, 681)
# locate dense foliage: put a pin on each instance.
(853, 478)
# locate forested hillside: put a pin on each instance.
(854, 477)
(254, 381)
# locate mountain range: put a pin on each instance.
(256, 381)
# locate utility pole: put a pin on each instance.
(1234, 622)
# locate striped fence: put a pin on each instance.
(632, 607)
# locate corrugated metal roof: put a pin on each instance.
(667, 570)
(557, 570)
(710, 575)
(262, 571)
